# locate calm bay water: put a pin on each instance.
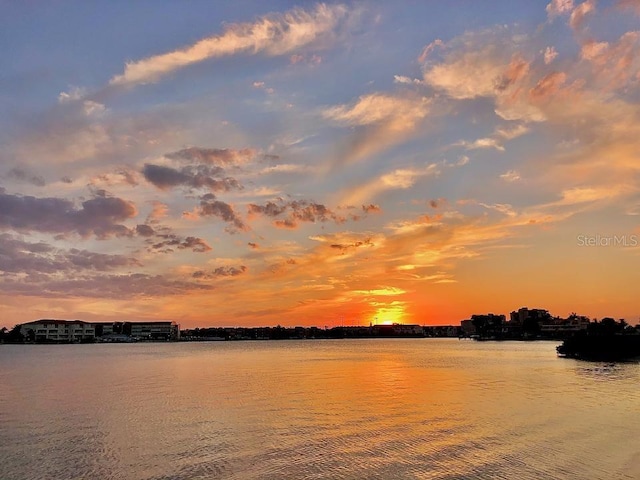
(424, 408)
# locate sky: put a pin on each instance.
(251, 163)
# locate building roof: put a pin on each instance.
(57, 322)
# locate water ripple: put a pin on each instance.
(415, 409)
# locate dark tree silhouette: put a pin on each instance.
(15, 335)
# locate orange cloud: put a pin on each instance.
(402, 178)
(629, 4)
(559, 7)
(479, 65)
(579, 14)
(548, 86)
(615, 65)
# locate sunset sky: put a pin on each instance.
(268, 162)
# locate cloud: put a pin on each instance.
(296, 212)
(512, 131)
(421, 223)
(171, 240)
(462, 161)
(64, 134)
(288, 168)
(21, 257)
(406, 80)
(162, 239)
(371, 208)
(145, 230)
(120, 176)
(548, 86)
(309, 59)
(74, 93)
(399, 179)
(488, 64)
(577, 195)
(579, 14)
(214, 156)
(617, 64)
(261, 86)
(426, 51)
(468, 74)
(559, 7)
(20, 174)
(550, 54)
(481, 143)
(357, 244)
(400, 113)
(592, 50)
(384, 291)
(220, 272)
(93, 108)
(270, 209)
(99, 216)
(348, 241)
(437, 203)
(510, 176)
(503, 208)
(382, 120)
(201, 176)
(210, 207)
(158, 212)
(273, 35)
(111, 286)
(629, 4)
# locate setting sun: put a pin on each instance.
(389, 314)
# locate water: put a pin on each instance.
(385, 409)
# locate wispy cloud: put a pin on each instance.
(214, 156)
(497, 139)
(276, 34)
(510, 176)
(381, 120)
(21, 257)
(398, 179)
(487, 64)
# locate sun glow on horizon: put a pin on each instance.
(389, 314)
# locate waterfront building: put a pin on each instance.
(524, 315)
(467, 328)
(561, 327)
(49, 330)
(138, 330)
(153, 330)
